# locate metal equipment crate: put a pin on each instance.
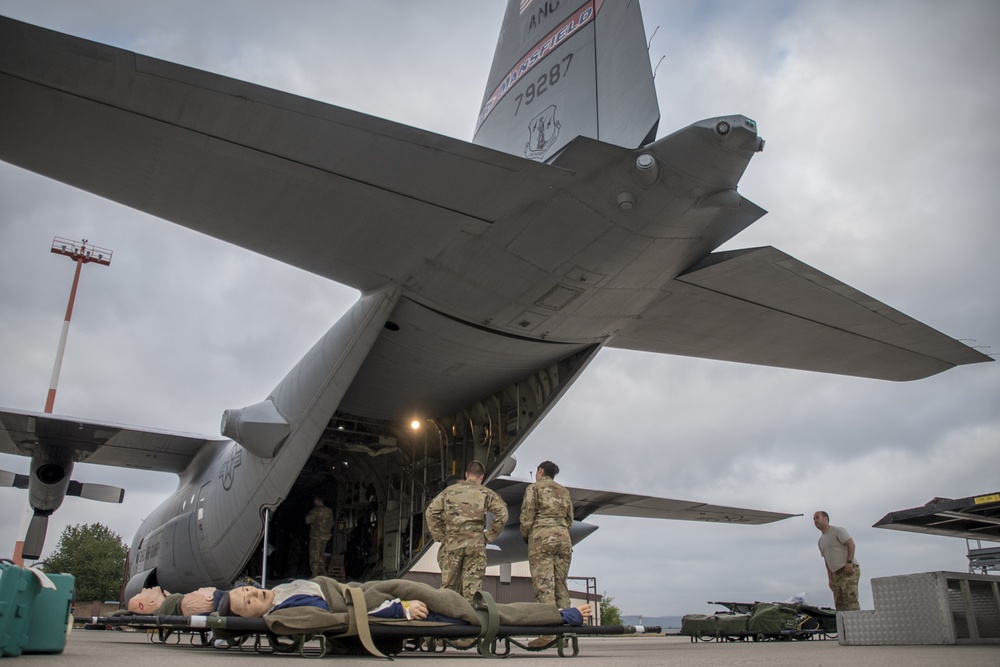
(927, 608)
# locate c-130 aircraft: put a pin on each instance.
(491, 275)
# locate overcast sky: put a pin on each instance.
(882, 122)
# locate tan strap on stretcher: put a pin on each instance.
(358, 619)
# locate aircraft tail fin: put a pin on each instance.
(568, 69)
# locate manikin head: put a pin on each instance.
(147, 601)
(250, 601)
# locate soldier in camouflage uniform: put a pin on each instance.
(320, 521)
(546, 517)
(456, 519)
(842, 569)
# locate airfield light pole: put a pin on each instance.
(81, 253)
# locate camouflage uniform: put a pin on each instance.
(456, 518)
(833, 547)
(546, 516)
(320, 521)
(845, 588)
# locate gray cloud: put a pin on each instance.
(879, 169)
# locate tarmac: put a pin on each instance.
(101, 648)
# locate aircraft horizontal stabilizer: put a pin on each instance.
(146, 133)
(762, 306)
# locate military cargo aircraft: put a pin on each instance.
(491, 274)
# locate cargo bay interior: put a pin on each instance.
(379, 475)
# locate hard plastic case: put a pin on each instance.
(33, 619)
(51, 616)
(17, 595)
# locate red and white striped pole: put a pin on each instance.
(81, 253)
(22, 532)
(54, 382)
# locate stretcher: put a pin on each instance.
(376, 636)
(761, 621)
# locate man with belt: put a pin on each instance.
(842, 569)
(456, 519)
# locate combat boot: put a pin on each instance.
(539, 643)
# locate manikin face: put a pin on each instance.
(148, 601)
(250, 602)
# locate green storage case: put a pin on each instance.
(33, 619)
(51, 616)
(18, 587)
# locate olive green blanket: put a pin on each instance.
(302, 620)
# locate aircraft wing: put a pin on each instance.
(97, 442)
(610, 503)
(309, 184)
(762, 306)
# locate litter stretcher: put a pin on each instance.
(312, 632)
(761, 621)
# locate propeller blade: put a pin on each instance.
(35, 539)
(100, 492)
(13, 479)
